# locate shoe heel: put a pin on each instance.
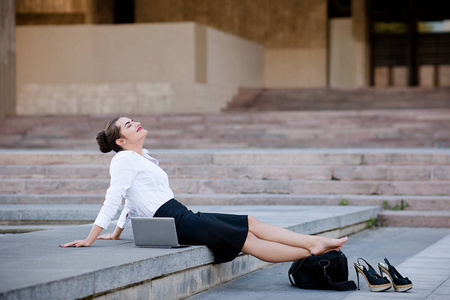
(400, 283)
(375, 282)
(357, 276)
(382, 270)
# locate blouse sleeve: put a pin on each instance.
(127, 212)
(122, 173)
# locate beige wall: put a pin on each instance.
(293, 32)
(342, 54)
(106, 53)
(295, 35)
(232, 62)
(7, 58)
(295, 68)
(175, 67)
(297, 55)
(361, 48)
(348, 49)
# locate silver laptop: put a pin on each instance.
(155, 232)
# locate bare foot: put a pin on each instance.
(326, 244)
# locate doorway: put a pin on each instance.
(409, 43)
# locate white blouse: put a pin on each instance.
(138, 179)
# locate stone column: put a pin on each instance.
(360, 34)
(7, 58)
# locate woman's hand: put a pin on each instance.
(108, 236)
(77, 243)
(95, 231)
(112, 236)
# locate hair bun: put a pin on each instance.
(106, 139)
(102, 142)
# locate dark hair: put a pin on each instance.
(106, 139)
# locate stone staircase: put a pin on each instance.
(310, 172)
(371, 128)
(291, 99)
(413, 185)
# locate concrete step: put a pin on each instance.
(53, 157)
(311, 187)
(288, 171)
(54, 171)
(119, 269)
(95, 186)
(280, 99)
(242, 157)
(288, 138)
(266, 172)
(422, 218)
(244, 186)
(388, 202)
(293, 129)
(49, 214)
(52, 199)
(397, 179)
(53, 186)
(18, 229)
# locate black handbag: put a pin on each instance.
(327, 271)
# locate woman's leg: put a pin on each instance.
(271, 251)
(314, 244)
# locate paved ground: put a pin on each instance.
(404, 247)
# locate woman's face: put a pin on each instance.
(131, 131)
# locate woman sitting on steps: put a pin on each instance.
(136, 176)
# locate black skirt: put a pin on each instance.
(224, 234)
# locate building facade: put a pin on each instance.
(108, 56)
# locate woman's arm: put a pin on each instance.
(126, 212)
(122, 174)
(95, 232)
(112, 236)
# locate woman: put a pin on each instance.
(137, 177)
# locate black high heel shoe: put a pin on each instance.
(375, 282)
(401, 284)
